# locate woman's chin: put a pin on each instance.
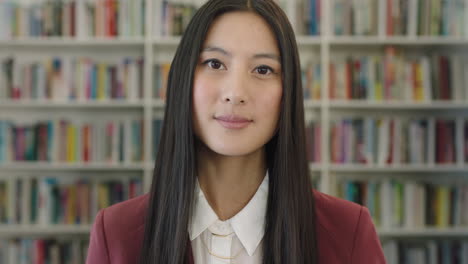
(234, 150)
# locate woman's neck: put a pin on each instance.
(230, 182)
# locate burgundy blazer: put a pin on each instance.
(345, 233)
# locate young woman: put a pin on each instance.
(231, 181)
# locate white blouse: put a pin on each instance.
(239, 237)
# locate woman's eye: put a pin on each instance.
(215, 64)
(263, 70)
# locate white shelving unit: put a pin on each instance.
(161, 48)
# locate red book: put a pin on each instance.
(356, 87)
(86, 144)
(415, 84)
(444, 81)
(332, 81)
(389, 18)
(39, 252)
(349, 79)
(391, 139)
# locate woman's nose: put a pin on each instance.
(235, 91)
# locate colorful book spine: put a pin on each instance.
(386, 141)
(114, 142)
(41, 251)
(49, 201)
(71, 79)
(409, 204)
(394, 76)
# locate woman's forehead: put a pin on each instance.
(241, 32)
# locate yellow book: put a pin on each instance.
(71, 205)
(442, 206)
(101, 86)
(71, 143)
(419, 96)
(103, 196)
(316, 88)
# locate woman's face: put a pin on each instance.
(237, 85)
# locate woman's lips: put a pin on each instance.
(233, 122)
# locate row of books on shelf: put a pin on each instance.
(73, 141)
(114, 18)
(37, 18)
(400, 17)
(309, 17)
(175, 16)
(111, 18)
(60, 18)
(47, 201)
(409, 204)
(398, 76)
(426, 251)
(71, 78)
(399, 140)
(42, 251)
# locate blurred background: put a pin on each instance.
(82, 90)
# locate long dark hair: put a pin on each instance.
(290, 217)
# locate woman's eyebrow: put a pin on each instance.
(256, 56)
(268, 56)
(218, 49)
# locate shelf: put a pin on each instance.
(35, 230)
(315, 167)
(397, 168)
(46, 166)
(397, 105)
(70, 104)
(303, 40)
(402, 40)
(174, 40)
(67, 41)
(167, 40)
(310, 104)
(424, 232)
(159, 103)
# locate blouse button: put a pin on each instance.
(221, 228)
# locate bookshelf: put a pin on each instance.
(319, 45)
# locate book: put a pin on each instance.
(117, 141)
(65, 78)
(55, 18)
(47, 201)
(395, 76)
(408, 204)
(113, 18)
(398, 140)
(431, 251)
(37, 250)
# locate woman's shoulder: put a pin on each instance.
(345, 231)
(117, 232)
(337, 216)
(127, 215)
